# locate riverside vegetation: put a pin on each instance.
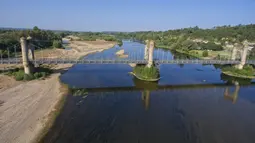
(39, 72)
(145, 73)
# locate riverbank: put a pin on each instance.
(28, 109)
(232, 74)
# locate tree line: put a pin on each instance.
(184, 38)
(43, 38)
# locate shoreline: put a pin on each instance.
(27, 116)
(237, 75)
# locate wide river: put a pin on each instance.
(190, 104)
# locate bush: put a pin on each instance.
(44, 74)
(246, 71)
(145, 72)
(29, 77)
(19, 75)
(38, 75)
(57, 44)
(205, 54)
(211, 46)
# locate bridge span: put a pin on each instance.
(122, 61)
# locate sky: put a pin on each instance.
(124, 15)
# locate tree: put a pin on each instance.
(36, 28)
(57, 44)
(205, 54)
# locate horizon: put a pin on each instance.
(10, 28)
(125, 16)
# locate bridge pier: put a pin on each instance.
(25, 58)
(146, 50)
(151, 49)
(243, 58)
(233, 55)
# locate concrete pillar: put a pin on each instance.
(24, 50)
(243, 58)
(234, 51)
(151, 49)
(146, 50)
(31, 51)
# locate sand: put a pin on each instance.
(25, 107)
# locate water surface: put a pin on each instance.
(190, 104)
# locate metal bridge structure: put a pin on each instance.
(122, 61)
(147, 55)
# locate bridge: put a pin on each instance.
(122, 61)
(148, 58)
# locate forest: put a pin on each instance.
(186, 39)
(195, 38)
(9, 38)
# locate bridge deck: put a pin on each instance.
(122, 61)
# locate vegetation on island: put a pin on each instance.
(145, 73)
(247, 71)
(39, 72)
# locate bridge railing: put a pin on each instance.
(119, 61)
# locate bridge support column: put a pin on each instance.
(151, 49)
(31, 51)
(25, 59)
(146, 50)
(243, 58)
(233, 56)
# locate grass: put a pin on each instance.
(211, 54)
(246, 72)
(19, 74)
(146, 73)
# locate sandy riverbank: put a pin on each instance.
(25, 107)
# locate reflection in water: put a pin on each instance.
(233, 97)
(146, 99)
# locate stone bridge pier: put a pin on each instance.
(243, 54)
(27, 47)
(148, 52)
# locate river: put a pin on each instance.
(190, 104)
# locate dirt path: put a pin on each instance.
(25, 106)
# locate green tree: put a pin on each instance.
(57, 44)
(205, 54)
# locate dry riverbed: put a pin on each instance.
(26, 107)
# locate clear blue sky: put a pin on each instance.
(124, 15)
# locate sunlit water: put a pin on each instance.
(190, 104)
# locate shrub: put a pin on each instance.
(29, 77)
(44, 74)
(205, 54)
(211, 46)
(246, 71)
(19, 75)
(38, 75)
(57, 44)
(146, 73)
